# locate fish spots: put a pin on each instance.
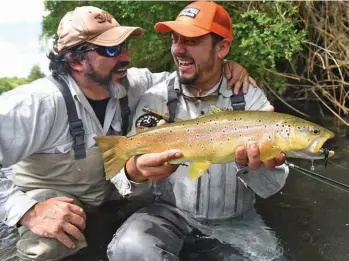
(197, 135)
(316, 131)
(211, 139)
(210, 130)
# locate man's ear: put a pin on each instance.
(75, 64)
(223, 48)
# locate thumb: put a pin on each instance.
(170, 154)
(161, 122)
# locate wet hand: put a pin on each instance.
(56, 218)
(250, 156)
(237, 76)
(152, 166)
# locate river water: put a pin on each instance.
(310, 218)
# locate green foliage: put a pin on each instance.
(8, 83)
(35, 73)
(265, 33)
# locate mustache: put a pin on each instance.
(119, 65)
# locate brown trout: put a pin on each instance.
(213, 138)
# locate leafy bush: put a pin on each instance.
(265, 33)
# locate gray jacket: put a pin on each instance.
(34, 121)
(223, 192)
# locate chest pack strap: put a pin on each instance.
(125, 114)
(76, 127)
(172, 99)
(237, 101)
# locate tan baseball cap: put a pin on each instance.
(89, 24)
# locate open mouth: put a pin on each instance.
(121, 70)
(185, 64)
(314, 151)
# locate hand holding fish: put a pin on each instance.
(250, 156)
(152, 166)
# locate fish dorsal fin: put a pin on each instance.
(198, 168)
(214, 109)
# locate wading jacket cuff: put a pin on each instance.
(127, 187)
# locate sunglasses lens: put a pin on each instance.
(112, 51)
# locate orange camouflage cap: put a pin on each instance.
(199, 18)
(89, 24)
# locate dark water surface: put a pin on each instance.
(309, 217)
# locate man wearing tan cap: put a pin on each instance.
(47, 130)
(213, 217)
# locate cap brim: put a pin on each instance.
(182, 28)
(116, 35)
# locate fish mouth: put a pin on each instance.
(323, 153)
(314, 150)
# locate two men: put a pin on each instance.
(220, 204)
(47, 130)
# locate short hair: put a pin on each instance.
(59, 61)
(216, 39)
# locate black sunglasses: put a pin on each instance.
(107, 51)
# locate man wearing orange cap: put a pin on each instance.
(215, 211)
(47, 130)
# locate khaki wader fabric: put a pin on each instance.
(60, 175)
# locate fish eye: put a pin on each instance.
(316, 131)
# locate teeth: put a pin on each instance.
(184, 62)
(122, 69)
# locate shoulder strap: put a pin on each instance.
(125, 114)
(172, 99)
(238, 101)
(76, 126)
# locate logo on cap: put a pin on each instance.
(190, 12)
(103, 17)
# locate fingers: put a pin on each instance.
(73, 231)
(241, 156)
(227, 70)
(280, 159)
(270, 164)
(77, 221)
(64, 239)
(77, 210)
(269, 108)
(245, 85)
(253, 156)
(156, 159)
(237, 86)
(252, 82)
(161, 122)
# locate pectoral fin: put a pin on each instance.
(198, 168)
(268, 150)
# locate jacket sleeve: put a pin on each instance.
(25, 122)
(262, 181)
(145, 79)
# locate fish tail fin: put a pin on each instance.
(113, 153)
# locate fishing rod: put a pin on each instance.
(321, 178)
